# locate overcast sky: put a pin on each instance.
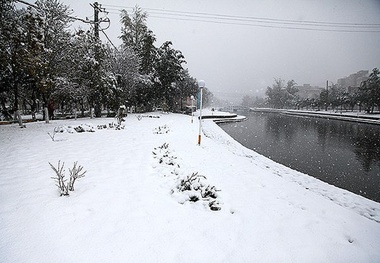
(245, 59)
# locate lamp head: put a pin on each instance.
(201, 84)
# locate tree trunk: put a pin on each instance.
(46, 111)
(98, 110)
(15, 92)
(18, 117)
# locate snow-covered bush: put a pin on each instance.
(191, 188)
(55, 131)
(196, 188)
(192, 182)
(165, 156)
(161, 129)
(116, 126)
(75, 173)
(84, 128)
(80, 128)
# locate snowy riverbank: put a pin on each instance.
(128, 207)
(361, 117)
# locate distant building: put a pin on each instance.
(352, 82)
(308, 92)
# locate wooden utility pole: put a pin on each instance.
(96, 104)
(97, 92)
(96, 19)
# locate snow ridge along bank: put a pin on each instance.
(344, 198)
(124, 209)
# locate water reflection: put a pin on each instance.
(342, 153)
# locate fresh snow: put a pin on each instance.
(128, 207)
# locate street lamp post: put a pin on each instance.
(192, 107)
(201, 85)
(327, 95)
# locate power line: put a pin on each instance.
(91, 22)
(245, 17)
(109, 40)
(72, 17)
(270, 26)
(257, 21)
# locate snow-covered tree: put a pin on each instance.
(169, 70)
(21, 42)
(185, 87)
(136, 35)
(89, 77)
(281, 96)
(369, 91)
(56, 37)
(248, 101)
(11, 47)
(42, 60)
(125, 65)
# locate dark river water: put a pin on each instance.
(341, 153)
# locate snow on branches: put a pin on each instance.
(189, 188)
(83, 128)
(63, 185)
(196, 188)
(165, 156)
(161, 129)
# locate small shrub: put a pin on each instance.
(59, 129)
(191, 182)
(194, 198)
(75, 174)
(61, 182)
(116, 126)
(198, 190)
(60, 178)
(214, 205)
(165, 156)
(161, 129)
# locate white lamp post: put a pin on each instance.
(192, 107)
(201, 85)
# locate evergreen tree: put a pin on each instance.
(20, 46)
(275, 94)
(11, 44)
(248, 101)
(208, 97)
(369, 91)
(279, 96)
(185, 87)
(169, 70)
(91, 71)
(56, 39)
(136, 35)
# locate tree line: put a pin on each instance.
(45, 64)
(284, 96)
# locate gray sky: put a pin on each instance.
(245, 59)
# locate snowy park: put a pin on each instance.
(101, 160)
(150, 193)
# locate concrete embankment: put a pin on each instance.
(345, 116)
(223, 117)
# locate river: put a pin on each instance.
(341, 153)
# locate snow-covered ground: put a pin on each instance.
(128, 207)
